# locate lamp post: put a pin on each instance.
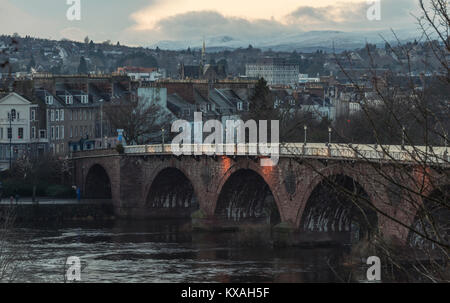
(10, 138)
(329, 135)
(403, 137)
(163, 138)
(306, 130)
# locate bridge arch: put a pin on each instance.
(432, 219)
(323, 210)
(246, 193)
(340, 205)
(170, 192)
(97, 183)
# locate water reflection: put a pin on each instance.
(167, 251)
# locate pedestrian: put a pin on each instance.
(78, 194)
(17, 198)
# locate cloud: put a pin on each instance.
(350, 15)
(344, 16)
(213, 23)
(144, 22)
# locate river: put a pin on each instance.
(165, 251)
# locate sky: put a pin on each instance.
(145, 22)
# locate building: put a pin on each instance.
(210, 72)
(18, 133)
(72, 110)
(142, 73)
(276, 71)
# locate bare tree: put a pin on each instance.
(141, 121)
(14, 254)
(415, 116)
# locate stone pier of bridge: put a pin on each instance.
(150, 187)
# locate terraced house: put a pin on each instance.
(72, 107)
(19, 136)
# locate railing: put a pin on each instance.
(418, 154)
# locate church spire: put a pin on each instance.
(204, 53)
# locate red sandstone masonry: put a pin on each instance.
(132, 176)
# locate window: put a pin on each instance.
(52, 115)
(62, 132)
(33, 115)
(75, 116)
(33, 132)
(57, 115)
(69, 99)
(71, 115)
(42, 134)
(52, 134)
(18, 116)
(49, 100)
(85, 115)
(13, 114)
(57, 133)
(9, 133)
(85, 99)
(61, 115)
(76, 131)
(20, 135)
(71, 131)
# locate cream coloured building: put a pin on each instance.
(17, 115)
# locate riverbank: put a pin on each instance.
(55, 210)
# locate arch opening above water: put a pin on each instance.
(98, 184)
(340, 209)
(173, 193)
(245, 196)
(432, 220)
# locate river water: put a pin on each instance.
(165, 251)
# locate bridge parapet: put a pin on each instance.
(415, 154)
(93, 153)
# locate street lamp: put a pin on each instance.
(163, 138)
(306, 130)
(403, 137)
(10, 138)
(329, 135)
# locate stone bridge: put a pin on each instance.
(299, 193)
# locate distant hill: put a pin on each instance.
(301, 42)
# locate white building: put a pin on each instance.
(304, 78)
(16, 117)
(274, 70)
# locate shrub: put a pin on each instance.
(60, 191)
(120, 149)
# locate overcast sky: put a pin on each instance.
(144, 22)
